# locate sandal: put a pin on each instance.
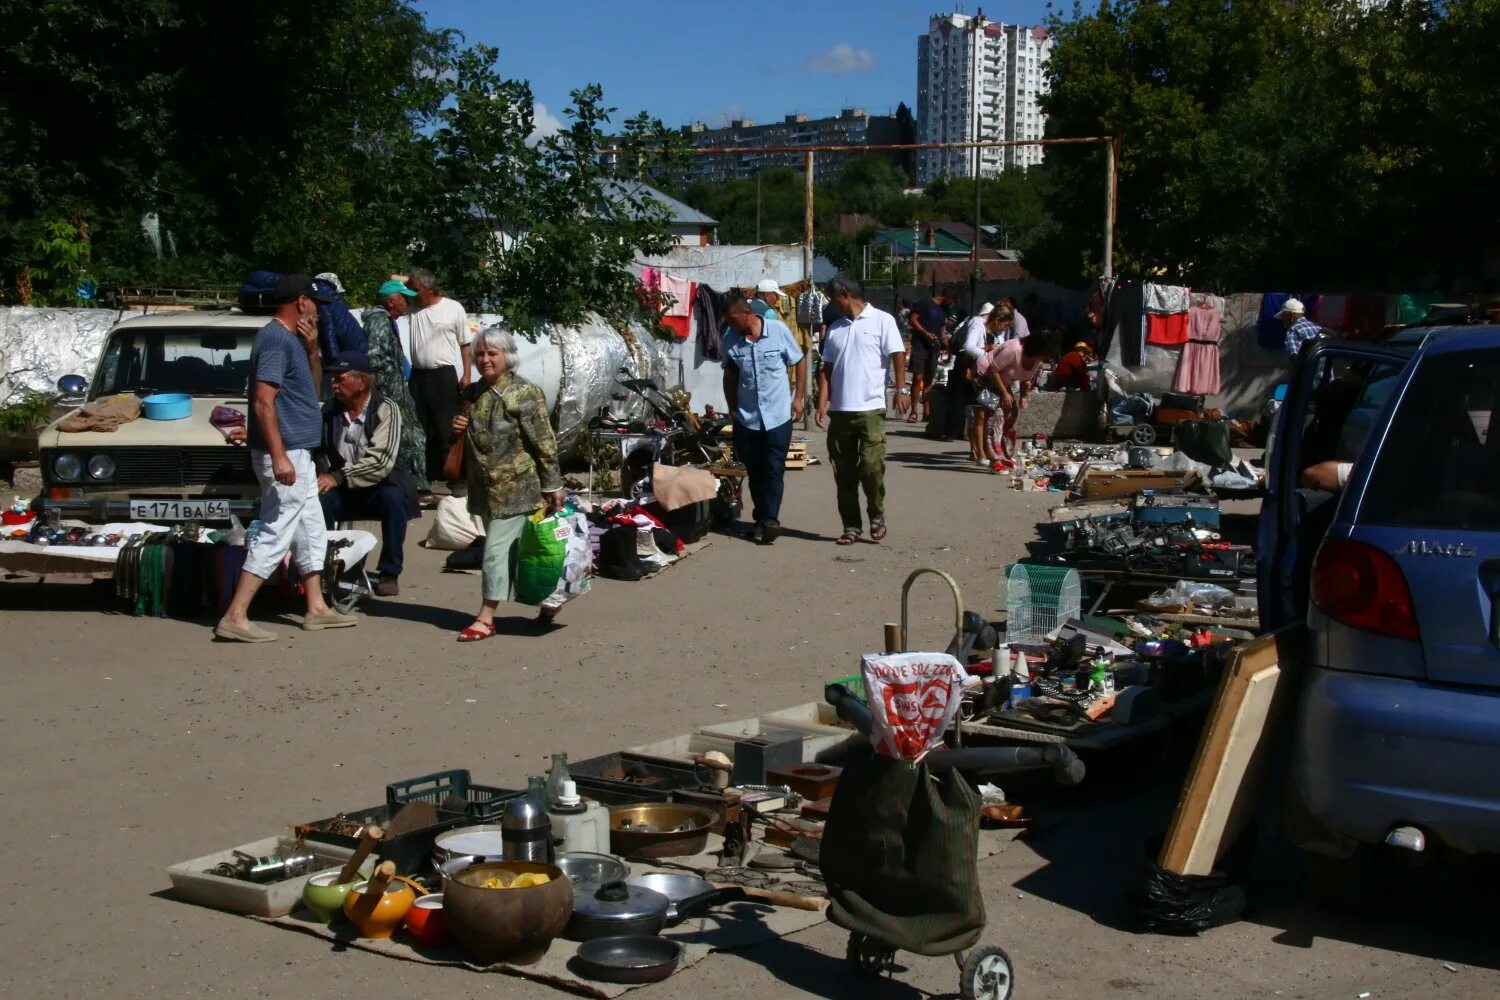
(476, 630)
(877, 530)
(847, 538)
(911, 417)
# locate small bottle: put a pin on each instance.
(536, 791)
(1103, 680)
(556, 777)
(252, 533)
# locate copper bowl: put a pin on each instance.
(660, 830)
(507, 925)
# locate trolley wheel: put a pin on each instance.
(1143, 434)
(986, 975)
(867, 958)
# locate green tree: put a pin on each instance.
(1277, 143)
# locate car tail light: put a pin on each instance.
(1361, 586)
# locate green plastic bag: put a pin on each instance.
(541, 556)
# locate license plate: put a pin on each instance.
(179, 510)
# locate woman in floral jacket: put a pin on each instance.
(510, 462)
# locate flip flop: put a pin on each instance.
(877, 530)
(847, 538)
(476, 630)
(911, 418)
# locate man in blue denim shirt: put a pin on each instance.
(758, 350)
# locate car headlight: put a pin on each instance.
(67, 467)
(101, 467)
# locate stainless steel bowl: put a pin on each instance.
(584, 867)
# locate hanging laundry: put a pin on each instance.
(1166, 299)
(1331, 312)
(1366, 316)
(1198, 368)
(1167, 330)
(1271, 333)
(708, 320)
(1125, 319)
(1413, 308)
(679, 294)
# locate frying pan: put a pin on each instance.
(628, 959)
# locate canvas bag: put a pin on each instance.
(453, 527)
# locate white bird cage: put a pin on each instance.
(1038, 599)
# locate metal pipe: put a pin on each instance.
(1110, 152)
(895, 147)
(807, 274)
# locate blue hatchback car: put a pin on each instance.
(1397, 578)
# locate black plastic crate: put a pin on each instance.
(640, 771)
(452, 790)
(617, 793)
(411, 851)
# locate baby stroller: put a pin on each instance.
(900, 848)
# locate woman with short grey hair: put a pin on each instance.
(510, 462)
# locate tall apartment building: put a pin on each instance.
(979, 80)
(852, 127)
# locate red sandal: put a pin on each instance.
(476, 630)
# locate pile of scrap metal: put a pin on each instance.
(1151, 532)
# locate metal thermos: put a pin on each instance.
(525, 828)
(275, 867)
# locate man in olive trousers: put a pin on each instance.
(857, 351)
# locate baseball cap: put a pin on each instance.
(332, 279)
(767, 285)
(293, 286)
(394, 287)
(349, 361)
(1292, 307)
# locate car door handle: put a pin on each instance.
(1489, 575)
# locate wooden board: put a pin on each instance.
(796, 456)
(1220, 785)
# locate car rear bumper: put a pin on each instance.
(103, 510)
(1374, 753)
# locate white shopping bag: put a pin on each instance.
(913, 698)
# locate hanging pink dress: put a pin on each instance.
(1198, 368)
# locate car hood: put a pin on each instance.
(191, 431)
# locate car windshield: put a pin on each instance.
(200, 361)
(1439, 466)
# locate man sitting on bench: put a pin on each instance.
(358, 478)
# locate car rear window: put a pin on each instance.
(1439, 466)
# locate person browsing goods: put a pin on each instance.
(927, 323)
(439, 335)
(283, 430)
(857, 351)
(390, 367)
(1010, 371)
(360, 477)
(759, 350)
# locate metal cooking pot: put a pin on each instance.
(617, 908)
(587, 868)
(659, 830)
(454, 850)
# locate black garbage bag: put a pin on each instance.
(900, 856)
(1164, 902)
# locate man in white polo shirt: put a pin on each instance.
(439, 333)
(857, 350)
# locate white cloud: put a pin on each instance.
(841, 60)
(544, 123)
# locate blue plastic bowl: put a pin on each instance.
(167, 406)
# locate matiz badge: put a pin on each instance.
(1416, 548)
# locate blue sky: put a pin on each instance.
(687, 60)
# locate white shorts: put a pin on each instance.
(291, 518)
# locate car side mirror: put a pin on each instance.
(72, 385)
